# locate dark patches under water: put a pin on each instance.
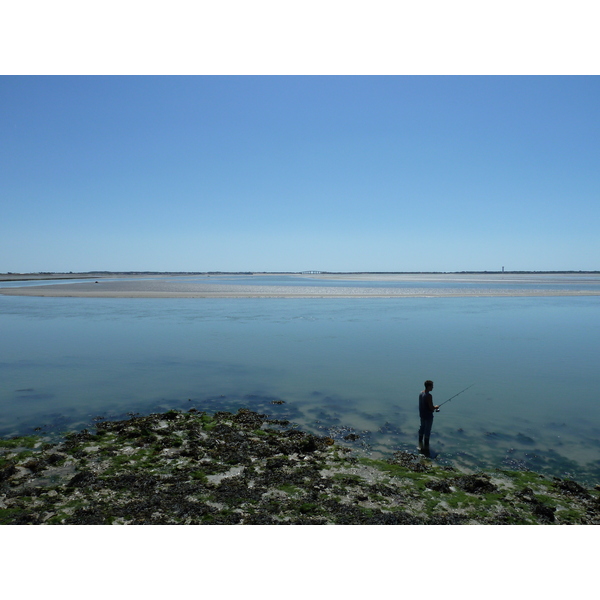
(384, 439)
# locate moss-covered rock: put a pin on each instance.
(242, 468)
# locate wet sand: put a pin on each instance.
(167, 287)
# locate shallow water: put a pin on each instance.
(340, 366)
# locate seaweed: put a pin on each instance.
(236, 468)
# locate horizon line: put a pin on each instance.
(303, 272)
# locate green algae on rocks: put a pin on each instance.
(244, 468)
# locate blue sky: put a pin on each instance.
(288, 173)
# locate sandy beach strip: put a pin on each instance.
(142, 290)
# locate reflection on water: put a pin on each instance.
(348, 368)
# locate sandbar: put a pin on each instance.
(413, 286)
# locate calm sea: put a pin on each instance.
(341, 366)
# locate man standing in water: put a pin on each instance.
(426, 410)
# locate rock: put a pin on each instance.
(475, 484)
(546, 513)
(195, 468)
(439, 486)
(7, 472)
(572, 487)
(82, 479)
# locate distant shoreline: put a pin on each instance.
(97, 274)
(309, 285)
(37, 292)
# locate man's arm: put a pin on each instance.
(430, 404)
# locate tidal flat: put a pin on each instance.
(243, 468)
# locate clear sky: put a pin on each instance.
(289, 173)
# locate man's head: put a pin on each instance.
(428, 385)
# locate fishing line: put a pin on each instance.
(459, 393)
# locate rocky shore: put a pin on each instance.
(244, 468)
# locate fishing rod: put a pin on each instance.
(444, 402)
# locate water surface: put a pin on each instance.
(340, 365)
